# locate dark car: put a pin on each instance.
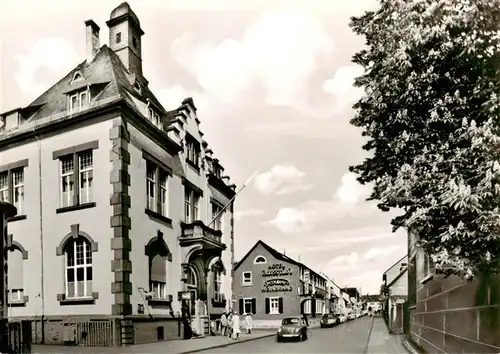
(292, 327)
(329, 320)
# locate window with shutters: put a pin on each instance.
(274, 305)
(248, 306)
(79, 274)
(77, 179)
(15, 277)
(158, 267)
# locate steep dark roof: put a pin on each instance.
(106, 76)
(278, 255)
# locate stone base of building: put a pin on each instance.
(103, 331)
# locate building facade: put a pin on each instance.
(395, 281)
(270, 285)
(450, 315)
(123, 212)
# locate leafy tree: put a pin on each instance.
(431, 115)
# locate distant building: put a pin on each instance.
(451, 315)
(115, 198)
(270, 285)
(395, 280)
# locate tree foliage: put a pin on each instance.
(431, 114)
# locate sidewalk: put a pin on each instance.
(381, 341)
(179, 346)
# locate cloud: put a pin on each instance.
(290, 220)
(368, 281)
(345, 261)
(280, 180)
(278, 54)
(378, 252)
(54, 55)
(340, 85)
(351, 191)
(248, 213)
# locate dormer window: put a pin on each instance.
(118, 37)
(79, 100)
(217, 171)
(154, 117)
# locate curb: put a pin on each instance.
(228, 344)
(409, 347)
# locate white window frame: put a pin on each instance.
(18, 190)
(191, 205)
(260, 256)
(151, 195)
(81, 100)
(4, 189)
(217, 211)
(193, 152)
(87, 253)
(15, 296)
(86, 193)
(163, 193)
(249, 301)
(274, 305)
(159, 289)
(67, 198)
(245, 282)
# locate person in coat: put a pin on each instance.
(236, 327)
(223, 322)
(248, 323)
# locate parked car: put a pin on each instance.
(351, 316)
(292, 327)
(342, 318)
(329, 320)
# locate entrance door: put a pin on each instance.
(192, 287)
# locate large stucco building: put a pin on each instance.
(395, 284)
(115, 198)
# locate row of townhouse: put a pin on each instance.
(123, 213)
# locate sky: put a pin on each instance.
(272, 81)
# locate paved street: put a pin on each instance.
(350, 337)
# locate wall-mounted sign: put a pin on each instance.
(276, 270)
(276, 285)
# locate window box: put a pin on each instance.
(167, 301)
(88, 300)
(75, 207)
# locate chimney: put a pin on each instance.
(92, 39)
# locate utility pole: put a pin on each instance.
(6, 211)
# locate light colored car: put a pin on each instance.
(342, 318)
(351, 316)
(292, 327)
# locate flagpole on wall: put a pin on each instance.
(232, 199)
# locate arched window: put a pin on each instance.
(78, 254)
(158, 260)
(77, 76)
(15, 276)
(260, 259)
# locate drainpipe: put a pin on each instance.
(42, 279)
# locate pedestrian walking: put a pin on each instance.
(223, 321)
(236, 327)
(230, 324)
(248, 323)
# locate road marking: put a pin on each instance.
(368, 339)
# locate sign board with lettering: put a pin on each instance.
(277, 270)
(276, 285)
